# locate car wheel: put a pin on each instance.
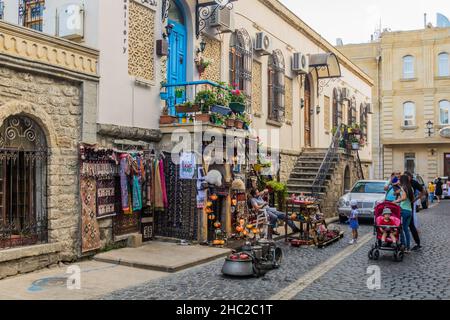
(425, 204)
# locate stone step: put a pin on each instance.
(306, 175)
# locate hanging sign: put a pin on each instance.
(187, 166)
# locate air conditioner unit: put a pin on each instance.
(222, 19)
(263, 44)
(71, 21)
(300, 63)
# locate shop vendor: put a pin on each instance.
(274, 215)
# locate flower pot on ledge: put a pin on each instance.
(229, 123)
(239, 124)
(166, 119)
(203, 117)
(182, 108)
(237, 107)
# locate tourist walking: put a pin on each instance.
(406, 201)
(418, 192)
(439, 190)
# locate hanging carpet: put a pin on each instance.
(90, 239)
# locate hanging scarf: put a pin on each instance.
(159, 200)
(163, 184)
(137, 189)
(124, 170)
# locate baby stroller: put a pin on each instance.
(374, 253)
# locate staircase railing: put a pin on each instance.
(327, 162)
(360, 170)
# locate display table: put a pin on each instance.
(306, 212)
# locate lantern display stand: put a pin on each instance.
(313, 227)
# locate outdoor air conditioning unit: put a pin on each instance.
(300, 63)
(222, 19)
(263, 44)
(71, 21)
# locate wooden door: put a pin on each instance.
(308, 115)
(447, 164)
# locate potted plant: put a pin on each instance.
(205, 99)
(202, 64)
(222, 100)
(237, 100)
(229, 120)
(166, 118)
(355, 143)
(247, 121)
(179, 93)
(239, 122)
(217, 119)
(187, 107)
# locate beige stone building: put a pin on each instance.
(48, 103)
(411, 96)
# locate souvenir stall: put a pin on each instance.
(124, 186)
(313, 227)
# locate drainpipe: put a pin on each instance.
(381, 147)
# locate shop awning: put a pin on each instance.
(326, 65)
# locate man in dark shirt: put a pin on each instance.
(417, 188)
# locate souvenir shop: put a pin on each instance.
(144, 191)
(123, 186)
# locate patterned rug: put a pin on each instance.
(90, 231)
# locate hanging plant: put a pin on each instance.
(202, 64)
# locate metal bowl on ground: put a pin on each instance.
(238, 267)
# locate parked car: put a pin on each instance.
(445, 188)
(367, 193)
(425, 200)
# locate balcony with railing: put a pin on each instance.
(204, 102)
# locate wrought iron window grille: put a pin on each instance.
(204, 10)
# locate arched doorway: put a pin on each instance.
(176, 64)
(23, 183)
(347, 179)
(309, 112)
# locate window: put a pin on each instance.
(337, 109)
(23, 210)
(444, 111)
(352, 112)
(410, 162)
(276, 86)
(31, 13)
(443, 65)
(408, 67)
(241, 63)
(2, 9)
(363, 119)
(409, 114)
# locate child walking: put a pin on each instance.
(431, 190)
(353, 219)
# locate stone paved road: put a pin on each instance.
(421, 275)
(207, 282)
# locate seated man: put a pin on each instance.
(258, 203)
(389, 221)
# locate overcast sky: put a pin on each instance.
(355, 20)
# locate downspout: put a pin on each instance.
(381, 146)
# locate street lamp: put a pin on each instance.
(169, 29)
(202, 47)
(430, 127)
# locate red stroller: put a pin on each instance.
(389, 245)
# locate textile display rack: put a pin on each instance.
(118, 184)
(313, 227)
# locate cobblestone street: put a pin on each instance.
(421, 275)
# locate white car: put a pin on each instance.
(367, 193)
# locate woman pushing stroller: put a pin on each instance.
(406, 201)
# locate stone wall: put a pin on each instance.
(335, 187)
(287, 164)
(55, 104)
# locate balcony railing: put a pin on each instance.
(202, 101)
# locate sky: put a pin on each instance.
(355, 20)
